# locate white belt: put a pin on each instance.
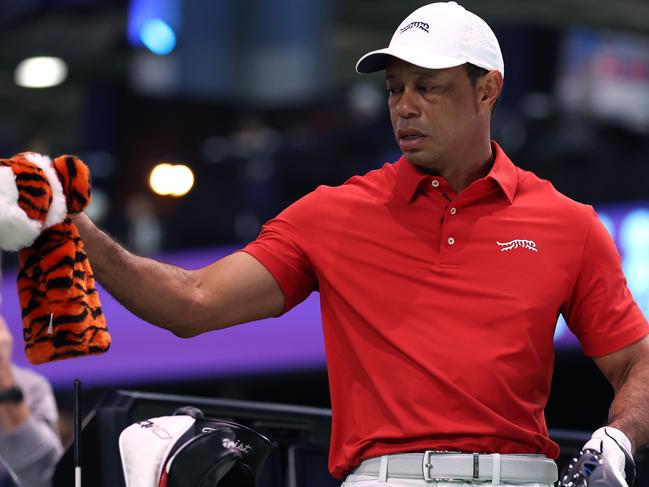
(442, 466)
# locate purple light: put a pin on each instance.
(143, 353)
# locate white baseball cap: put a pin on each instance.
(436, 36)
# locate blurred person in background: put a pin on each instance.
(29, 441)
(441, 279)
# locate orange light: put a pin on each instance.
(171, 179)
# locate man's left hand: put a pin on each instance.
(616, 449)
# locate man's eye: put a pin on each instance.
(428, 88)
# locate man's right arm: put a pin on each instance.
(233, 290)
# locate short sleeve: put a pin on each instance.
(601, 311)
(281, 248)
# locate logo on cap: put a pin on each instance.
(419, 25)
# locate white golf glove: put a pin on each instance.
(615, 447)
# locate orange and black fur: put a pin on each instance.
(62, 315)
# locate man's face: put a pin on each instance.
(434, 113)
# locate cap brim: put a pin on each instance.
(424, 58)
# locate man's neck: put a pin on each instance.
(460, 178)
(474, 167)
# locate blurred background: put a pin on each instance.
(201, 119)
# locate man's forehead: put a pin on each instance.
(397, 65)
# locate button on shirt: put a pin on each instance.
(439, 309)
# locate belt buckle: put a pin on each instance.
(426, 466)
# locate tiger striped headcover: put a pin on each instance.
(62, 315)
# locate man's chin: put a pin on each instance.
(420, 158)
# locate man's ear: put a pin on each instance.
(488, 88)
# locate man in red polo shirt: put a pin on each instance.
(441, 279)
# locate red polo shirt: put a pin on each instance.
(439, 309)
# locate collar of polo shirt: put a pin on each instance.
(503, 172)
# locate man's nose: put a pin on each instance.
(407, 106)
